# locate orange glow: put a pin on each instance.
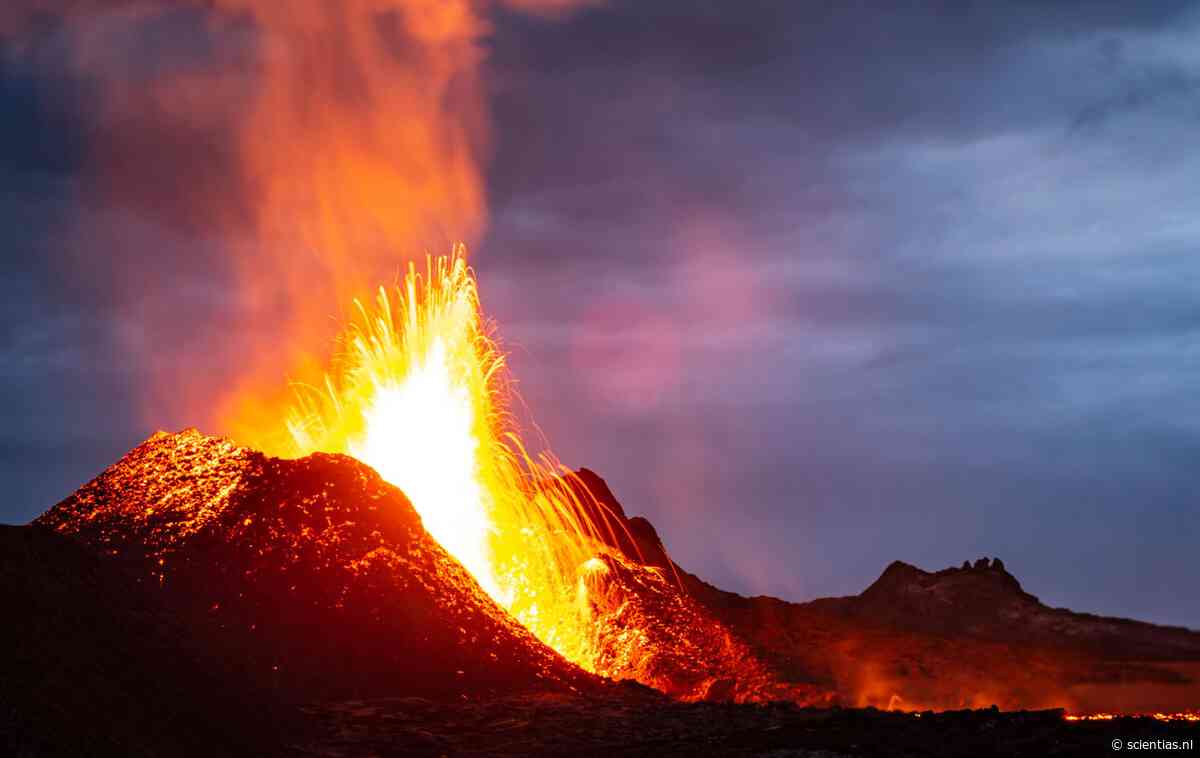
(367, 135)
(418, 393)
(1191, 716)
(419, 432)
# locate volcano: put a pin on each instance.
(314, 577)
(199, 597)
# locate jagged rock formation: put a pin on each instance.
(633, 537)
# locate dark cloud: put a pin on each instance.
(41, 132)
(135, 101)
(1147, 87)
(815, 286)
(970, 324)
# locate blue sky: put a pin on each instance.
(813, 287)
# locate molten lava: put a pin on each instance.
(419, 393)
(1184, 716)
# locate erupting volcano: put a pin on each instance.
(410, 559)
(410, 545)
(360, 543)
(419, 393)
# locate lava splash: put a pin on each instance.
(419, 392)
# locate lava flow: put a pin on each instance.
(1187, 716)
(419, 392)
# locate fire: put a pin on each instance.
(412, 401)
(430, 400)
(367, 135)
(419, 393)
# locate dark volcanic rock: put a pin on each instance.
(953, 601)
(91, 664)
(987, 602)
(630, 724)
(634, 537)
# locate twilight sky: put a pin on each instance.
(813, 286)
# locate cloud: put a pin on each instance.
(979, 314)
(848, 284)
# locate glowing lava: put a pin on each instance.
(418, 393)
(439, 464)
(1188, 716)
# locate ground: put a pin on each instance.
(637, 724)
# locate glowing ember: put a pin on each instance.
(419, 394)
(1190, 716)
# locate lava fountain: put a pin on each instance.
(419, 392)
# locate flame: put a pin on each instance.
(419, 393)
(367, 135)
